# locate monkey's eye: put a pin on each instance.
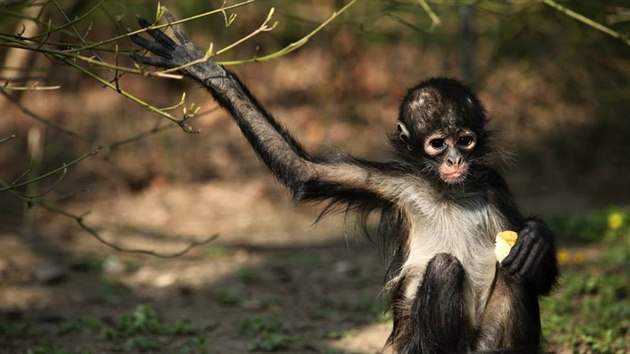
(437, 144)
(465, 141)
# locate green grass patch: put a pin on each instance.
(230, 297)
(137, 332)
(217, 252)
(609, 225)
(51, 349)
(590, 310)
(81, 325)
(246, 275)
(144, 321)
(21, 329)
(339, 334)
(265, 334)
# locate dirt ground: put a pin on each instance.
(269, 261)
(317, 284)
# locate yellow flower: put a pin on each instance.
(615, 221)
(563, 256)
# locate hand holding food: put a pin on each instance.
(503, 244)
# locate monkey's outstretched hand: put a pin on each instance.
(533, 257)
(170, 54)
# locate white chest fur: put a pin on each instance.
(462, 225)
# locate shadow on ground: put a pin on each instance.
(302, 294)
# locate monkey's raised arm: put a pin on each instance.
(306, 177)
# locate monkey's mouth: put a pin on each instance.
(453, 174)
(454, 177)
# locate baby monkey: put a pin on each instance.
(441, 204)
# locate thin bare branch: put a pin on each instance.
(295, 45)
(12, 42)
(44, 120)
(31, 198)
(435, 20)
(72, 23)
(181, 122)
(598, 26)
(62, 168)
(79, 219)
(264, 27)
(139, 136)
(10, 137)
(142, 30)
(33, 87)
(69, 23)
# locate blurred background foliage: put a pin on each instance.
(556, 88)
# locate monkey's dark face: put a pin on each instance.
(441, 126)
(444, 154)
(450, 153)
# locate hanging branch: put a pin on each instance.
(72, 53)
(33, 87)
(45, 120)
(10, 137)
(598, 26)
(80, 220)
(435, 20)
(63, 168)
(142, 30)
(40, 43)
(292, 46)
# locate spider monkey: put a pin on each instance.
(441, 204)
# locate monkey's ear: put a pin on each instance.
(403, 132)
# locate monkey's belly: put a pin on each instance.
(479, 276)
(470, 244)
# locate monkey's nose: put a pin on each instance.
(452, 161)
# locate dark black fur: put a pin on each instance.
(441, 290)
(435, 321)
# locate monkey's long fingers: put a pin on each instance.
(176, 27)
(151, 46)
(158, 35)
(533, 258)
(151, 61)
(518, 256)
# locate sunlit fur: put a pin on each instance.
(421, 215)
(448, 293)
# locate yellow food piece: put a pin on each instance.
(503, 244)
(508, 236)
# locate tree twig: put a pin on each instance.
(62, 168)
(295, 45)
(44, 120)
(133, 98)
(10, 137)
(142, 30)
(435, 20)
(33, 87)
(588, 21)
(79, 219)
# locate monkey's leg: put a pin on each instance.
(511, 321)
(438, 321)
